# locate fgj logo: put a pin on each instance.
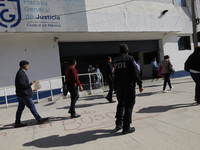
(10, 13)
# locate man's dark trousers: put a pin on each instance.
(73, 89)
(111, 87)
(126, 101)
(29, 103)
(155, 73)
(196, 78)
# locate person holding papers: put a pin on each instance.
(24, 94)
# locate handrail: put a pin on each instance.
(51, 88)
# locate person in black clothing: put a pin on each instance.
(108, 75)
(24, 95)
(126, 75)
(193, 63)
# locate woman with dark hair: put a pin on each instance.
(193, 63)
(166, 73)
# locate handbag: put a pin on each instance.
(65, 89)
(171, 69)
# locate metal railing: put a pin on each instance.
(89, 81)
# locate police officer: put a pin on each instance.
(126, 75)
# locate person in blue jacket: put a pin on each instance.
(154, 67)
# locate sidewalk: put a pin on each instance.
(167, 121)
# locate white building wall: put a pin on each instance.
(41, 52)
(170, 47)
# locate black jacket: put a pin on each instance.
(22, 85)
(193, 64)
(108, 72)
(126, 71)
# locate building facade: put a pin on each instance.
(47, 33)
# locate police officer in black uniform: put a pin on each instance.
(126, 77)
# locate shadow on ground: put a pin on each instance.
(72, 139)
(33, 122)
(160, 109)
(83, 105)
(148, 93)
(162, 84)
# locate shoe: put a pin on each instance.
(164, 91)
(197, 103)
(20, 125)
(43, 120)
(107, 98)
(69, 111)
(75, 116)
(112, 101)
(171, 88)
(118, 127)
(131, 130)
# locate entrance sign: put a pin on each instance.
(42, 15)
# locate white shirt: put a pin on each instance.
(91, 69)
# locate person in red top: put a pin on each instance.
(71, 76)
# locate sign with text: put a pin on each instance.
(42, 15)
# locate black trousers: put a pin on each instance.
(166, 77)
(155, 73)
(111, 87)
(126, 101)
(73, 89)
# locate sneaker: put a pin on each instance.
(43, 120)
(171, 88)
(131, 130)
(20, 125)
(164, 91)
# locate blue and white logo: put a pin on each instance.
(10, 13)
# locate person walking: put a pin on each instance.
(166, 73)
(193, 63)
(126, 75)
(154, 67)
(108, 75)
(71, 75)
(24, 95)
(97, 76)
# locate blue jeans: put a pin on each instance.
(196, 78)
(21, 105)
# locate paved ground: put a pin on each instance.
(163, 122)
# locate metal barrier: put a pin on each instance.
(89, 81)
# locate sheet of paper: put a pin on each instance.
(36, 86)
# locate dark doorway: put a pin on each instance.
(95, 53)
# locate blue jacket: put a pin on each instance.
(22, 85)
